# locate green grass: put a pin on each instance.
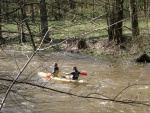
(77, 29)
(67, 29)
(63, 29)
(18, 46)
(144, 25)
(10, 27)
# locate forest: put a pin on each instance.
(34, 33)
(77, 22)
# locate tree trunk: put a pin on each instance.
(32, 13)
(119, 20)
(7, 9)
(23, 17)
(115, 17)
(72, 4)
(134, 16)
(44, 21)
(93, 9)
(58, 15)
(0, 19)
(145, 7)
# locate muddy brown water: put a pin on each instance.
(108, 78)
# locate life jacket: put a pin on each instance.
(75, 75)
(56, 74)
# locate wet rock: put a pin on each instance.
(82, 44)
(143, 58)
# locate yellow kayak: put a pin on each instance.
(60, 79)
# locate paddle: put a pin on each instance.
(48, 76)
(83, 73)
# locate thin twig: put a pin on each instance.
(22, 70)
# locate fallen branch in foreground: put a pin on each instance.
(126, 101)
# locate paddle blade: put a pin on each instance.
(83, 73)
(48, 76)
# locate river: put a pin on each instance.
(114, 85)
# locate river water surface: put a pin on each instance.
(112, 81)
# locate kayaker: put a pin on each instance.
(75, 73)
(56, 71)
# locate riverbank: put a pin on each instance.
(96, 46)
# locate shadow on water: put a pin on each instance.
(107, 77)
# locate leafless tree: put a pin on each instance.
(134, 16)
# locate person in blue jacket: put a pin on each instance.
(56, 71)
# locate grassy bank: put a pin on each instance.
(95, 34)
